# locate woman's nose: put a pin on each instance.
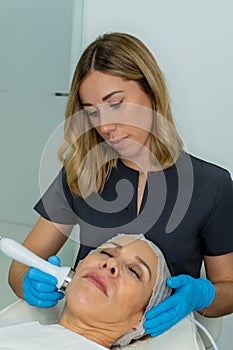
(107, 122)
(111, 266)
(107, 128)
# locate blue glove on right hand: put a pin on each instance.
(190, 294)
(40, 288)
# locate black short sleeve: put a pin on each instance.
(218, 231)
(56, 204)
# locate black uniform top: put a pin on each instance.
(187, 210)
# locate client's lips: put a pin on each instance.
(98, 281)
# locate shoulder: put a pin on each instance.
(207, 171)
(211, 182)
(206, 181)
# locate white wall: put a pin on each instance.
(39, 39)
(192, 41)
(35, 62)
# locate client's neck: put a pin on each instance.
(95, 333)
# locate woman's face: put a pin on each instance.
(120, 112)
(112, 286)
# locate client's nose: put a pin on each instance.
(112, 266)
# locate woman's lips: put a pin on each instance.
(98, 281)
(118, 142)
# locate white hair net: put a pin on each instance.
(160, 291)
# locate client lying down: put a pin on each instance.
(106, 300)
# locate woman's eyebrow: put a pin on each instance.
(111, 93)
(103, 98)
(115, 244)
(140, 260)
(86, 104)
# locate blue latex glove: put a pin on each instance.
(40, 288)
(190, 294)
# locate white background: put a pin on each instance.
(39, 40)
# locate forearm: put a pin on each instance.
(223, 301)
(16, 276)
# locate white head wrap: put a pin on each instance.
(160, 291)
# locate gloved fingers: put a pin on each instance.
(158, 330)
(50, 296)
(190, 293)
(163, 307)
(42, 287)
(208, 291)
(162, 323)
(46, 303)
(160, 319)
(179, 281)
(40, 276)
(55, 260)
(31, 300)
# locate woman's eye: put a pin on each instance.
(106, 253)
(135, 272)
(116, 104)
(94, 113)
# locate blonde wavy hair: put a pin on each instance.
(88, 161)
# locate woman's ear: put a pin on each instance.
(137, 325)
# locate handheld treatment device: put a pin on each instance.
(18, 252)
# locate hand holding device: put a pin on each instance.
(45, 280)
(40, 288)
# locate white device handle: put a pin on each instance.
(18, 252)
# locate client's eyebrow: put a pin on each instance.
(116, 244)
(144, 263)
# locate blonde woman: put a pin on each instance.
(125, 170)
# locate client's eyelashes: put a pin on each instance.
(106, 253)
(136, 271)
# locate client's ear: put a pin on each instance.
(137, 325)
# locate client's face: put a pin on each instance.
(112, 286)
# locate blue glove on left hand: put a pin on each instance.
(190, 294)
(40, 287)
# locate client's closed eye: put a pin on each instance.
(136, 271)
(106, 253)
